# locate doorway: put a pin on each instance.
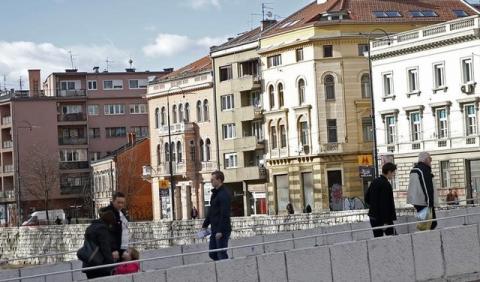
(335, 193)
(473, 179)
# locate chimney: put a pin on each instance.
(34, 83)
(268, 23)
(95, 69)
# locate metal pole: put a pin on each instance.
(170, 153)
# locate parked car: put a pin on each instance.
(40, 217)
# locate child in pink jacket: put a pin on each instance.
(128, 255)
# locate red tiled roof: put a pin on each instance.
(201, 65)
(361, 11)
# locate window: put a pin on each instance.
(301, 91)
(173, 152)
(387, 84)
(180, 113)
(138, 108)
(228, 131)
(202, 150)
(274, 61)
(248, 68)
(365, 84)
(327, 51)
(199, 111)
(137, 83)
(257, 129)
(67, 85)
(112, 84)
(460, 13)
(167, 153)
(179, 152)
(71, 109)
(255, 99)
(332, 131)
(94, 156)
(114, 109)
(470, 119)
(439, 73)
(281, 101)
(94, 133)
(187, 112)
(159, 155)
(174, 114)
(73, 155)
(226, 73)
(283, 136)
(271, 96)
(329, 83)
(425, 13)
(391, 129)
(415, 126)
(304, 133)
(92, 110)
(367, 129)
(467, 71)
(273, 137)
(445, 171)
(115, 132)
(92, 85)
(387, 14)
(227, 102)
(157, 117)
(206, 115)
(412, 80)
(193, 153)
(299, 54)
(362, 49)
(442, 123)
(231, 160)
(140, 131)
(208, 150)
(163, 116)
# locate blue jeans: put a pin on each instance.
(218, 244)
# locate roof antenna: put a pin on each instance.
(71, 59)
(107, 61)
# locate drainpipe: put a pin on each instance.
(215, 111)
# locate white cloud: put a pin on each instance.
(197, 4)
(168, 45)
(19, 56)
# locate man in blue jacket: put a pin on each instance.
(218, 217)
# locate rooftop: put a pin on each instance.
(199, 66)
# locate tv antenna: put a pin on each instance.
(71, 59)
(107, 61)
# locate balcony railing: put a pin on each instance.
(71, 93)
(8, 168)
(7, 144)
(332, 148)
(7, 120)
(72, 117)
(74, 165)
(67, 189)
(208, 166)
(175, 128)
(178, 168)
(72, 141)
(8, 195)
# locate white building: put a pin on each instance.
(427, 99)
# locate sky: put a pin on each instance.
(155, 34)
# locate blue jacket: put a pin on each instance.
(218, 215)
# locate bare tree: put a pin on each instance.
(41, 176)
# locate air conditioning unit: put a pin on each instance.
(468, 88)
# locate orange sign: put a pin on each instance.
(365, 160)
(164, 184)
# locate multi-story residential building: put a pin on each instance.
(427, 99)
(317, 98)
(238, 94)
(58, 126)
(185, 98)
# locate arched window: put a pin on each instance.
(281, 102)
(273, 136)
(172, 147)
(187, 112)
(283, 135)
(208, 150)
(303, 134)
(366, 86)
(199, 111)
(329, 83)
(202, 150)
(205, 111)
(159, 154)
(174, 113)
(271, 96)
(179, 152)
(193, 156)
(180, 113)
(301, 91)
(156, 117)
(167, 153)
(164, 117)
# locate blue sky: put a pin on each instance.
(155, 33)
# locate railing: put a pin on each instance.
(7, 144)
(435, 30)
(208, 166)
(462, 24)
(332, 147)
(8, 168)
(72, 141)
(74, 165)
(7, 120)
(177, 168)
(175, 128)
(407, 36)
(71, 93)
(72, 117)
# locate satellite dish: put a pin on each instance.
(269, 14)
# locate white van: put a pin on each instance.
(40, 217)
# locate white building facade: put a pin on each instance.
(426, 92)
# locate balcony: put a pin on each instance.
(246, 82)
(72, 141)
(72, 117)
(7, 144)
(71, 93)
(247, 143)
(7, 196)
(74, 165)
(8, 168)
(7, 121)
(248, 113)
(177, 128)
(178, 169)
(332, 148)
(209, 166)
(245, 173)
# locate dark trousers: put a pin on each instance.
(434, 223)
(218, 244)
(380, 232)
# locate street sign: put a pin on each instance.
(163, 184)
(365, 171)
(365, 160)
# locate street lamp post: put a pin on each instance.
(375, 150)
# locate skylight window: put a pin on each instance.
(426, 13)
(387, 14)
(460, 13)
(285, 24)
